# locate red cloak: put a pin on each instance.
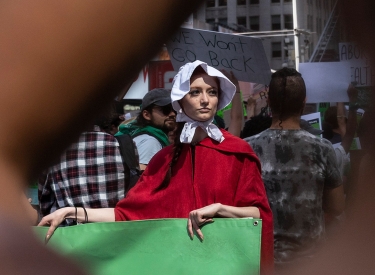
(226, 173)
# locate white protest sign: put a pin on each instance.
(360, 69)
(326, 81)
(243, 55)
(352, 51)
(139, 88)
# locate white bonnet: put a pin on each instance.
(181, 84)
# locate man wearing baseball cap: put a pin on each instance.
(150, 129)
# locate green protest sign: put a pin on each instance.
(230, 246)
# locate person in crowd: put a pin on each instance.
(150, 130)
(207, 173)
(110, 123)
(90, 174)
(340, 129)
(299, 171)
(255, 123)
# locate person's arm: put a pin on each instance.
(341, 118)
(93, 215)
(203, 215)
(334, 201)
(351, 124)
(236, 112)
(250, 107)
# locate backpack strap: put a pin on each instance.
(128, 150)
(129, 159)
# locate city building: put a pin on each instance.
(272, 21)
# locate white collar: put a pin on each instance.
(190, 126)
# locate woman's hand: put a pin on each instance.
(54, 219)
(201, 216)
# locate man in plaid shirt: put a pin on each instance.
(90, 174)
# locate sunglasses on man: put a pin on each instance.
(166, 110)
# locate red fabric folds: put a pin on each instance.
(226, 173)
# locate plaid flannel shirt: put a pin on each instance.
(90, 174)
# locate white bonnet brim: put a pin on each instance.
(181, 84)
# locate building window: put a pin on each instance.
(222, 2)
(318, 25)
(252, 2)
(254, 23)
(288, 21)
(241, 21)
(276, 23)
(223, 21)
(210, 21)
(241, 2)
(286, 1)
(309, 22)
(275, 1)
(210, 3)
(276, 49)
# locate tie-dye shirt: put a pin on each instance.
(296, 167)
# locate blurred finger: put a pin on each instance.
(50, 232)
(190, 228)
(199, 233)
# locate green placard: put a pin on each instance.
(230, 246)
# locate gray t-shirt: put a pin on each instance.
(147, 147)
(296, 167)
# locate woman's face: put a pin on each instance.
(200, 104)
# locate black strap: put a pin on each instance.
(129, 159)
(127, 149)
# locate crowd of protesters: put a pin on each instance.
(283, 171)
(53, 61)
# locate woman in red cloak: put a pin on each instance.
(207, 173)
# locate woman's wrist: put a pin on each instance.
(69, 213)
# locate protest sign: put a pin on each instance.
(352, 51)
(243, 55)
(230, 246)
(360, 70)
(314, 119)
(326, 81)
(139, 87)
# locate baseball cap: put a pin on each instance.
(159, 97)
(305, 125)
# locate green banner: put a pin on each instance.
(230, 246)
